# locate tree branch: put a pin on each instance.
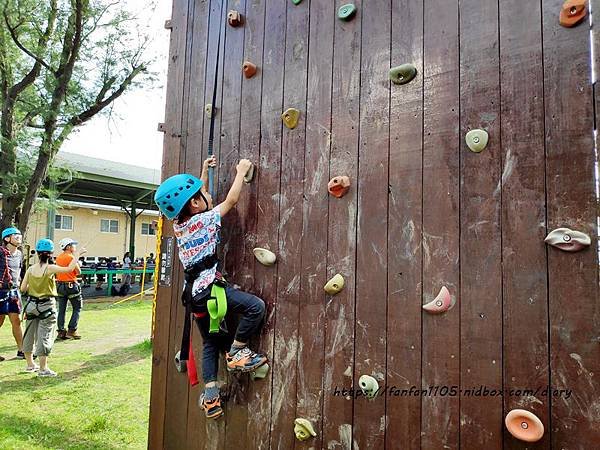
(102, 103)
(15, 38)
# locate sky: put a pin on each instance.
(131, 136)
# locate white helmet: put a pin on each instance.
(66, 242)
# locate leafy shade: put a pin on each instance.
(62, 62)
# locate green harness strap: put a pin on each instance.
(217, 307)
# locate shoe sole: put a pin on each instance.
(245, 368)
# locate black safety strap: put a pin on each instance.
(191, 274)
(211, 133)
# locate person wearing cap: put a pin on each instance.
(69, 291)
(11, 261)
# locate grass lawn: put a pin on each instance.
(101, 395)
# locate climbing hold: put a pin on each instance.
(476, 140)
(260, 372)
(338, 186)
(264, 256)
(249, 69)
(168, 24)
(303, 429)
(568, 240)
(335, 285)
(161, 127)
(290, 117)
(346, 12)
(179, 364)
(368, 385)
(403, 74)
(209, 110)
(524, 425)
(250, 174)
(234, 18)
(296, 2)
(440, 304)
(572, 12)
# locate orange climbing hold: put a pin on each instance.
(572, 12)
(249, 69)
(524, 425)
(339, 186)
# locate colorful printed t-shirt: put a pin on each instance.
(197, 238)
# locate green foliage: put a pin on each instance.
(62, 62)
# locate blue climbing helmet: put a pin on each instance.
(9, 232)
(173, 193)
(44, 245)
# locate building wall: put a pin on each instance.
(86, 230)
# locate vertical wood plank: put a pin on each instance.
(405, 225)
(246, 211)
(480, 300)
(193, 164)
(372, 184)
(313, 270)
(341, 248)
(285, 374)
(157, 431)
(574, 308)
(441, 224)
(268, 200)
(524, 274)
(177, 385)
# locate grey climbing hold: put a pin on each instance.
(568, 240)
(179, 364)
(368, 385)
(259, 373)
(249, 175)
(476, 140)
(264, 256)
(346, 12)
(403, 74)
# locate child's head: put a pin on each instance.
(200, 202)
(181, 196)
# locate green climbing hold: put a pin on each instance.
(296, 2)
(259, 373)
(346, 12)
(403, 74)
(476, 140)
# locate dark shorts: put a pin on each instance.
(10, 303)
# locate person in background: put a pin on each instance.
(69, 291)
(40, 307)
(11, 263)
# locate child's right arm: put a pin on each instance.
(234, 192)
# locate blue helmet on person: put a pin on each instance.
(9, 232)
(173, 193)
(44, 245)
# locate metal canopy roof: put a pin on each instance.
(108, 182)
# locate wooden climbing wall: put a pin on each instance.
(423, 212)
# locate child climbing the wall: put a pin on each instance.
(184, 199)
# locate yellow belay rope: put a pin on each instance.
(156, 271)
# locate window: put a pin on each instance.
(63, 222)
(109, 226)
(148, 229)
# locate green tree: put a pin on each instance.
(62, 62)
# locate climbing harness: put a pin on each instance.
(41, 315)
(211, 133)
(217, 305)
